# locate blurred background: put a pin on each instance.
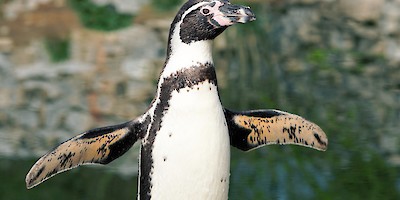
(70, 65)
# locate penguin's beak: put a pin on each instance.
(229, 14)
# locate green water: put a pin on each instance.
(274, 173)
(81, 183)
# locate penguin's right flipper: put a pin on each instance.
(96, 146)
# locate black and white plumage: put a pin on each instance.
(186, 133)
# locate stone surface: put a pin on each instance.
(124, 6)
(362, 10)
(107, 80)
(323, 49)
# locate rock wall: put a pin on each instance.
(338, 50)
(108, 78)
(341, 58)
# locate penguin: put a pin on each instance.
(185, 133)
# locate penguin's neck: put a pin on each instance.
(182, 56)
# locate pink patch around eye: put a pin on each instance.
(218, 16)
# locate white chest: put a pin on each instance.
(191, 152)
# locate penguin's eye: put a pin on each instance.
(205, 11)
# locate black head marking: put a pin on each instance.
(199, 20)
(196, 26)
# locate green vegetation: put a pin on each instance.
(319, 58)
(104, 18)
(166, 5)
(335, 60)
(57, 48)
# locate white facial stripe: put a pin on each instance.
(192, 8)
(186, 55)
(178, 28)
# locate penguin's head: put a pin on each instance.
(199, 20)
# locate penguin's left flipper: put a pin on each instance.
(97, 146)
(253, 129)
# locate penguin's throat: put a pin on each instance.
(184, 56)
